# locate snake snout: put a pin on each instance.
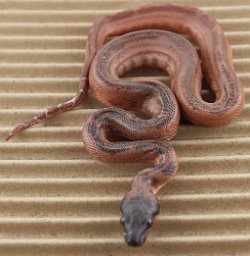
(134, 240)
(136, 228)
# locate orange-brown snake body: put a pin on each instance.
(153, 47)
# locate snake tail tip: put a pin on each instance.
(8, 138)
(10, 135)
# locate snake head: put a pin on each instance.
(138, 210)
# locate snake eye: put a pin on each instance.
(149, 222)
(123, 220)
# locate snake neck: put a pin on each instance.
(142, 183)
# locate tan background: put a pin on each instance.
(56, 199)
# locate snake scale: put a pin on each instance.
(116, 135)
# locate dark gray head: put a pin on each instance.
(138, 211)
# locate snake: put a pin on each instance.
(143, 115)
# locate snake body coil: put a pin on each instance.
(102, 70)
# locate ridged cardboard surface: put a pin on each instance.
(56, 199)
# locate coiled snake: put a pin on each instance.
(115, 135)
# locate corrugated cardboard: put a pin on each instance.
(56, 199)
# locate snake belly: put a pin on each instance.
(140, 140)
